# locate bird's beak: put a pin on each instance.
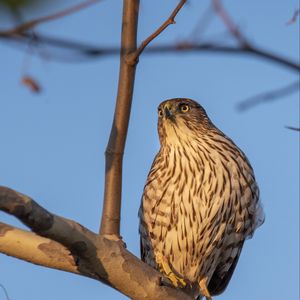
(168, 111)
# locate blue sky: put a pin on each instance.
(52, 144)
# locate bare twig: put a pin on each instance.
(159, 30)
(293, 128)
(244, 44)
(217, 48)
(5, 291)
(294, 18)
(270, 56)
(90, 51)
(30, 24)
(228, 22)
(202, 24)
(110, 222)
(268, 96)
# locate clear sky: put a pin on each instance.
(52, 144)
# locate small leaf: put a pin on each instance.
(31, 83)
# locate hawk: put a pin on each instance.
(200, 201)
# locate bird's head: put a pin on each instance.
(181, 119)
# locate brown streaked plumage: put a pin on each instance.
(200, 201)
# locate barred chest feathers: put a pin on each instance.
(200, 203)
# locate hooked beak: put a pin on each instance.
(168, 112)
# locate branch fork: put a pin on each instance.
(63, 244)
(130, 54)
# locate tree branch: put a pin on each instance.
(294, 18)
(96, 256)
(293, 128)
(35, 249)
(30, 24)
(90, 51)
(268, 96)
(158, 31)
(110, 222)
(66, 232)
(5, 291)
(228, 22)
(244, 44)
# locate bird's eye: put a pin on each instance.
(184, 108)
(160, 112)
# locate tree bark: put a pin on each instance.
(110, 223)
(66, 245)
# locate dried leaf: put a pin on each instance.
(31, 83)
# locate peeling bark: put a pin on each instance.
(66, 245)
(35, 249)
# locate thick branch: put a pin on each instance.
(96, 256)
(35, 249)
(110, 223)
(76, 238)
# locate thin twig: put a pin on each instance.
(293, 128)
(5, 291)
(268, 96)
(202, 24)
(159, 30)
(294, 18)
(90, 51)
(228, 22)
(30, 24)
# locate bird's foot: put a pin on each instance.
(165, 268)
(203, 289)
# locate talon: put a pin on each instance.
(165, 268)
(204, 290)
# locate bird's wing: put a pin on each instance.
(218, 283)
(142, 250)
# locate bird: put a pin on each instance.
(199, 204)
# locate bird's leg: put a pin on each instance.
(203, 288)
(165, 268)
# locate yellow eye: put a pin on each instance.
(160, 112)
(184, 108)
